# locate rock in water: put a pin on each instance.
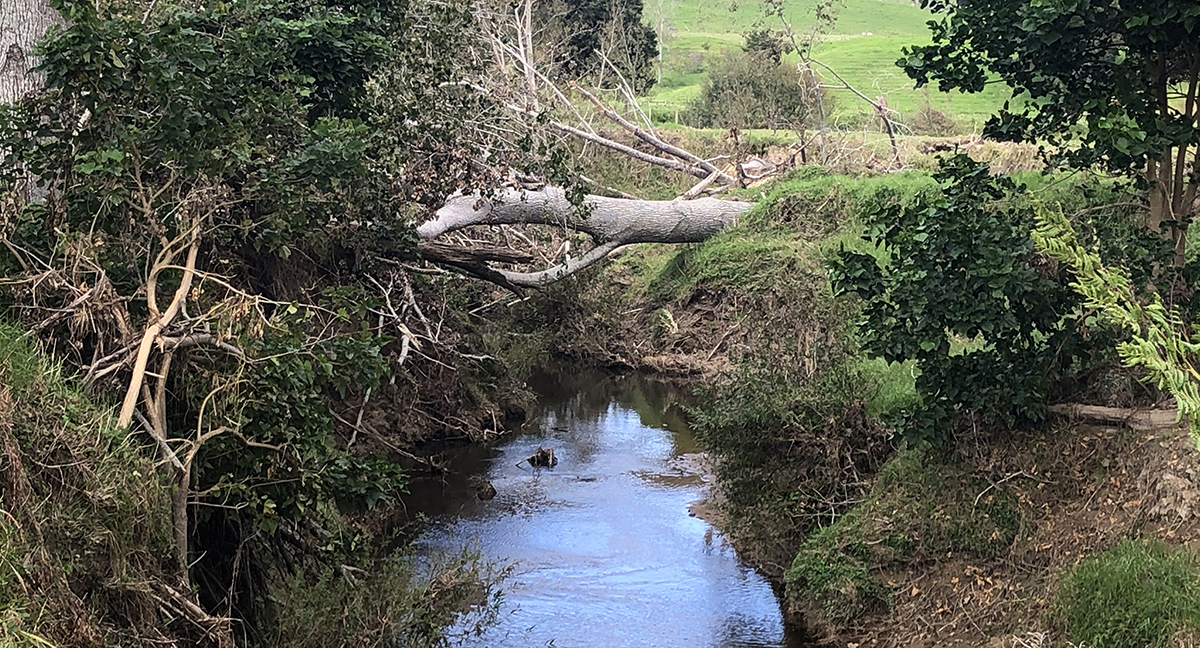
(543, 458)
(486, 491)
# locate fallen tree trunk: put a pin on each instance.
(611, 222)
(604, 219)
(1142, 419)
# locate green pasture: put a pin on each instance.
(863, 48)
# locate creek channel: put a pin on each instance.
(604, 550)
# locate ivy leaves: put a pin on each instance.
(955, 288)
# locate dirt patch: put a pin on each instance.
(1081, 490)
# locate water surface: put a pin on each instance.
(605, 550)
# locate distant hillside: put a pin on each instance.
(863, 48)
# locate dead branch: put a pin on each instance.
(604, 219)
(1135, 418)
(148, 338)
(665, 147)
(611, 222)
(674, 165)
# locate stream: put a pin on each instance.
(605, 551)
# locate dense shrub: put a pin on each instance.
(767, 45)
(931, 121)
(959, 290)
(395, 603)
(749, 90)
(579, 34)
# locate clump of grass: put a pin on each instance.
(736, 258)
(1137, 594)
(806, 216)
(396, 603)
(830, 581)
(919, 508)
(87, 521)
(888, 387)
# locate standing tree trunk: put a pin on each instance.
(22, 25)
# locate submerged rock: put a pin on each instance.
(484, 489)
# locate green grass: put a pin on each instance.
(895, 384)
(85, 513)
(1138, 594)
(736, 258)
(869, 64)
(863, 47)
(804, 217)
(856, 16)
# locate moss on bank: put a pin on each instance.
(919, 510)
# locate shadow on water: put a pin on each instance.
(606, 553)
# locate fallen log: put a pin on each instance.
(612, 223)
(1138, 418)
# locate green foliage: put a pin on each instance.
(767, 45)
(919, 509)
(1160, 342)
(750, 90)
(800, 220)
(269, 100)
(786, 441)
(961, 267)
(87, 534)
(896, 390)
(297, 464)
(788, 445)
(592, 27)
(1138, 594)
(297, 139)
(1110, 84)
(1102, 64)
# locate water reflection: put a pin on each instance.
(606, 552)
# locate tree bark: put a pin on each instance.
(611, 222)
(22, 24)
(604, 219)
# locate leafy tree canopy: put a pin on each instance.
(1108, 82)
(612, 28)
(957, 289)
(283, 147)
